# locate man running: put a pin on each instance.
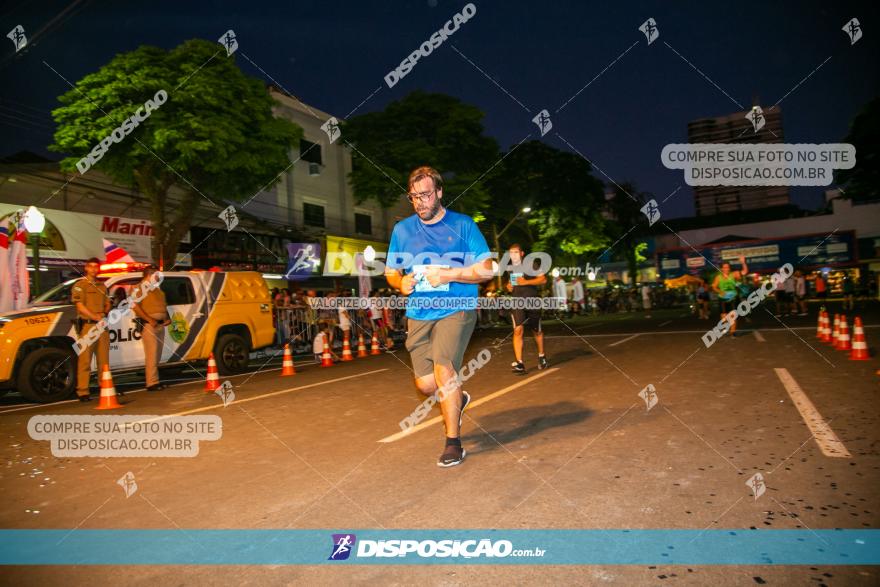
(524, 283)
(437, 257)
(726, 286)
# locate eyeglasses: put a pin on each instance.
(420, 196)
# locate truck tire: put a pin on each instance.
(47, 375)
(232, 354)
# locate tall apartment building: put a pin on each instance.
(736, 128)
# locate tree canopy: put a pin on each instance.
(215, 137)
(862, 182)
(421, 129)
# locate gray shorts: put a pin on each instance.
(443, 342)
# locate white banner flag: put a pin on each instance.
(21, 287)
(5, 277)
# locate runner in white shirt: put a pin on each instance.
(577, 295)
(646, 299)
(345, 324)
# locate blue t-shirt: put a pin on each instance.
(454, 241)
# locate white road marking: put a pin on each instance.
(664, 323)
(829, 444)
(140, 389)
(759, 336)
(623, 340)
(263, 396)
(473, 404)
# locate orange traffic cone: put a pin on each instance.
(843, 340)
(362, 348)
(374, 346)
(287, 363)
(326, 360)
(212, 383)
(346, 350)
(826, 329)
(836, 332)
(859, 344)
(108, 392)
(821, 326)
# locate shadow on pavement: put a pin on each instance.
(520, 423)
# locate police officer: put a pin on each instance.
(92, 304)
(152, 310)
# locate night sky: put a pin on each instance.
(333, 55)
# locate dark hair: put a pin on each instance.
(516, 246)
(93, 260)
(419, 173)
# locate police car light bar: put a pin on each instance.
(121, 267)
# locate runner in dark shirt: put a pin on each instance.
(523, 283)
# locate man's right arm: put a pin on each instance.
(396, 279)
(84, 311)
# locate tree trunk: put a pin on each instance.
(182, 222)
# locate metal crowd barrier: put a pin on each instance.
(299, 326)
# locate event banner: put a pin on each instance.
(761, 255)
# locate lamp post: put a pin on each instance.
(34, 223)
(497, 235)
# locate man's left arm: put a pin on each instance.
(539, 279)
(476, 273)
(744, 270)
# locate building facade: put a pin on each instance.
(311, 202)
(736, 128)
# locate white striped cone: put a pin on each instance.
(107, 401)
(212, 382)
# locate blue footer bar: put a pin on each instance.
(407, 547)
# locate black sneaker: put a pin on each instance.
(518, 368)
(465, 400)
(542, 363)
(85, 398)
(452, 455)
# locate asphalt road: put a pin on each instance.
(571, 447)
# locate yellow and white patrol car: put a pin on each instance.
(227, 313)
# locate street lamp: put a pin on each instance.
(34, 223)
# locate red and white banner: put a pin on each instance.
(19, 280)
(5, 278)
(115, 254)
